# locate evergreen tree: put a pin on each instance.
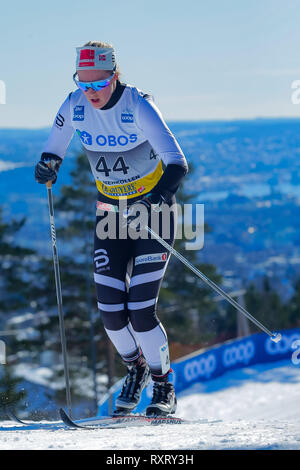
(267, 307)
(293, 308)
(185, 305)
(15, 264)
(15, 287)
(9, 394)
(226, 322)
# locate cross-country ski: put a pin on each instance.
(135, 420)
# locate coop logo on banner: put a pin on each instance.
(296, 353)
(239, 353)
(282, 347)
(203, 367)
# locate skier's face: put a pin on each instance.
(99, 98)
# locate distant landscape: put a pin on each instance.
(247, 174)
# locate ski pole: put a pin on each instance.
(59, 295)
(274, 336)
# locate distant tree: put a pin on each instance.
(185, 304)
(14, 268)
(15, 288)
(293, 307)
(226, 322)
(266, 306)
(10, 394)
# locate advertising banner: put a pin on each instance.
(205, 365)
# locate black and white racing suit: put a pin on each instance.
(126, 143)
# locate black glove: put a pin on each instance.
(170, 181)
(151, 201)
(45, 172)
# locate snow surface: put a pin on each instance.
(258, 407)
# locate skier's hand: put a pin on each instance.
(153, 201)
(150, 202)
(47, 168)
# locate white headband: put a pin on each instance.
(97, 58)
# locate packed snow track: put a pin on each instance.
(251, 408)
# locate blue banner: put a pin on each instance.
(214, 362)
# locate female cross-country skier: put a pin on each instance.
(126, 141)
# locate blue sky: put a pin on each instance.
(200, 59)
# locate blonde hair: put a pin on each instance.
(103, 44)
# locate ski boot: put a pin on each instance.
(138, 377)
(164, 400)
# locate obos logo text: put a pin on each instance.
(113, 140)
(110, 140)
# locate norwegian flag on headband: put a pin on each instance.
(87, 58)
(98, 58)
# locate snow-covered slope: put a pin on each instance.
(258, 406)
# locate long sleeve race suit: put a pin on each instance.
(127, 143)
